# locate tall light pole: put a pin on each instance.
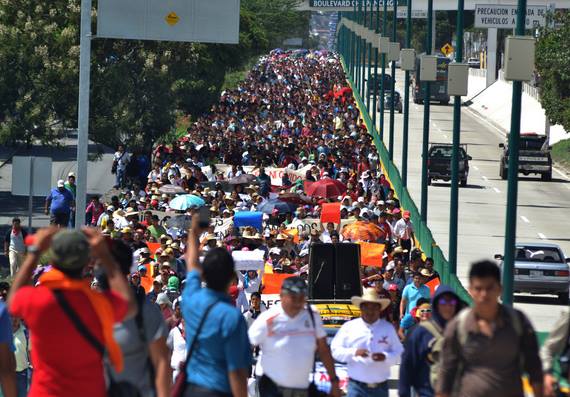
(381, 99)
(375, 84)
(454, 201)
(392, 102)
(406, 100)
(425, 143)
(513, 173)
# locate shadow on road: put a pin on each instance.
(64, 153)
(448, 184)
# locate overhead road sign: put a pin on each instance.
(504, 16)
(212, 21)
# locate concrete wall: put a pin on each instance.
(494, 104)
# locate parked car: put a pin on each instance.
(388, 102)
(474, 63)
(540, 268)
(534, 156)
(439, 162)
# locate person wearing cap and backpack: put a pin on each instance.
(422, 349)
(70, 324)
(487, 348)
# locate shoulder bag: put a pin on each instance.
(115, 389)
(182, 380)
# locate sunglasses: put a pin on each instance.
(424, 311)
(443, 301)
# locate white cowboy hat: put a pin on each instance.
(370, 296)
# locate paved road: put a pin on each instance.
(544, 207)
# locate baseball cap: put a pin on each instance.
(71, 174)
(294, 285)
(60, 183)
(70, 250)
(390, 266)
(406, 214)
(141, 268)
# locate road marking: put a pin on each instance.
(445, 136)
(525, 219)
(485, 178)
(439, 130)
(542, 236)
(568, 187)
(496, 190)
(477, 169)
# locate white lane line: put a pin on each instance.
(477, 169)
(496, 190)
(542, 236)
(439, 130)
(525, 219)
(485, 178)
(568, 187)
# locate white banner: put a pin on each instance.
(503, 16)
(248, 260)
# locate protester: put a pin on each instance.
(72, 188)
(21, 353)
(59, 204)
(177, 343)
(487, 347)
(556, 346)
(422, 354)
(412, 292)
(120, 161)
(142, 340)
(256, 307)
(219, 362)
(60, 303)
(369, 345)
(14, 247)
(7, 359)
(288, 335)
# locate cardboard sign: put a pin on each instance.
(273, 281)
(371, 254)
(247, 218)
(248, 260)
(330, 212)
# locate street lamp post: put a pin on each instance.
(513, 172)
(375, 83)
(425, 143)
(454, 201)
(392, 102)
(406, 100)
(381, 99)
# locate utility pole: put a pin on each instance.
(381, 99)
(406, 100)
(425, 144)
(392, 102)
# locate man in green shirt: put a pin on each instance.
(72, 187)
(155, 229)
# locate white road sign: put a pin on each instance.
(403, 13)
(211, 21)
(503, 16)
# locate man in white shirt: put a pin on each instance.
(288, 335)
(404, 231)
(369, 346)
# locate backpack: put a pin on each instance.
(435, 346)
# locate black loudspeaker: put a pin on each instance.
(321, 271)
(334, 271)
(347, 271)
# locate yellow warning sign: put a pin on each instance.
(172, 19)
(447, 49)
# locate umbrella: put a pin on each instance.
(242, 179)
(361, 231)
(186, 201)
(283, 207)
(171, 189)
(295, 198)
(182, 222)
(327, 188)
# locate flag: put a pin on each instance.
(433, 284)
(272, 282)
(371, 254)
(330, 213)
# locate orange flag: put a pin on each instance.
(153, 247)
(272, 282)
(433, 284)
(371, 254)
(146, 283)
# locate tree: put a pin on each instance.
(552, 60)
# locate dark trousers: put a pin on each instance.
(60, 219)
(199, 391)
(358, 389)
(22, 383)
(268, 388)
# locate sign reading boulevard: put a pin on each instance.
(353, 3)
(505, 16)
(212, 21)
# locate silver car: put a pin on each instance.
(541, 268)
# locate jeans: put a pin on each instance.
(120, 178)
(22, 383)
(198, 391)
(360, 390)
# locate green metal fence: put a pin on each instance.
(423, 234)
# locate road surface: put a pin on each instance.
(543, 207)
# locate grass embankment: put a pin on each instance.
(561, 153)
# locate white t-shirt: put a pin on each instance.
(286, 343)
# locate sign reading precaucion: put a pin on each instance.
(504, 16)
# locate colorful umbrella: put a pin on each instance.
(327, 188)
(269, 206)
(186, 201)
(362, 231)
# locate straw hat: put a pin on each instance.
(370, 296)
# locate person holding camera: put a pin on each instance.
(557, 345)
